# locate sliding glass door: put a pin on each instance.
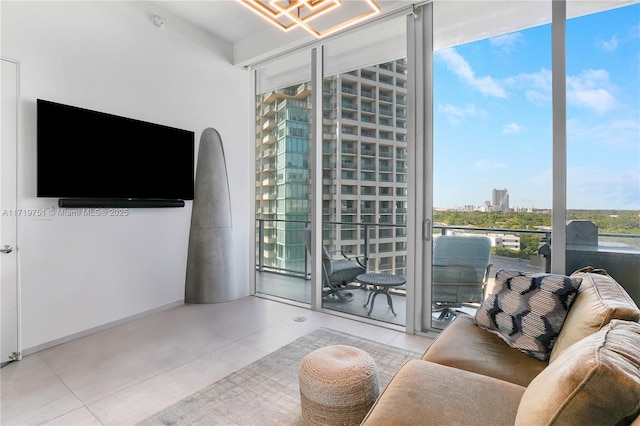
(442, 121)
(491, 161)
(364, 172)
(283, 118)
(364, 186)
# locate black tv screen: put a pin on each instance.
(89, 154)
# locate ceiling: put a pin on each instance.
(226, 19)
(233, 22)
(254, 38)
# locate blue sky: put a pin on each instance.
(493, 121)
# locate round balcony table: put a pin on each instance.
(380, 283)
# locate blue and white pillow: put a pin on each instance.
(527, 311)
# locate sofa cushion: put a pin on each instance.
(466, 346)
(594, 381)
(427, 393)
(600, 299)
(528, 311)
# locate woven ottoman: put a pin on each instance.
(338, 385)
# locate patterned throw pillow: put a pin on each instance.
(528, 311)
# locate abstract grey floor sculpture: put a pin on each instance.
(210, 245)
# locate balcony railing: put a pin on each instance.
(368, 237)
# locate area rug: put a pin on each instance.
(266, 392)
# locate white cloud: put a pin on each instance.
(609, 45)
(618, 133)
(506, 42)
(512, 128)
(536, 86)
(537, 98)
(456, 114)
(459, 66)
(592, 90)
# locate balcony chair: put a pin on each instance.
(460, 271)
(337, 273)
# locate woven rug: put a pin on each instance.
(266, 392)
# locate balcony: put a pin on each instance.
(269, 153)
(293, 284)
(349, 149)
(269, 124)
(367, 75)
(368, 94)
(350, 90)
(367, 166)
(269, 138)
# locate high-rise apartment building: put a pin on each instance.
(500, 200)
(364, 168)
(282, 176)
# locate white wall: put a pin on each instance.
(78, 273)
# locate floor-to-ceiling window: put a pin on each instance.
(492, 144)
(364, 168)
(283, 116)
(603, 144)
(364, 145)
(485, 165)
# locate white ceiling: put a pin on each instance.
(253, 36)
(233, 22)
(226, 19)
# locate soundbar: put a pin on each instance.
(117, 203)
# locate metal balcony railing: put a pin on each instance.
(367, 235)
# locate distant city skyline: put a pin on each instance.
(493, 116)
(499, 201)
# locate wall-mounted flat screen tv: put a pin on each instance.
(85, 154)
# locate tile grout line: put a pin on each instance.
(70, 391)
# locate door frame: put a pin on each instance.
(18, 184)
(420, 103)
(420, 45)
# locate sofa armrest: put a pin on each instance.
(426, 393)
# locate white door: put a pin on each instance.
(9, 349)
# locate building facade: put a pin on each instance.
(500, 200)
(364, 186)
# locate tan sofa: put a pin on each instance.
(470, 376)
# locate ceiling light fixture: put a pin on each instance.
(289, 14)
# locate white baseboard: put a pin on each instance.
(102, 327)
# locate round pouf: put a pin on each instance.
(338, 385)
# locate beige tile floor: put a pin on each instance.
(124, 374)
